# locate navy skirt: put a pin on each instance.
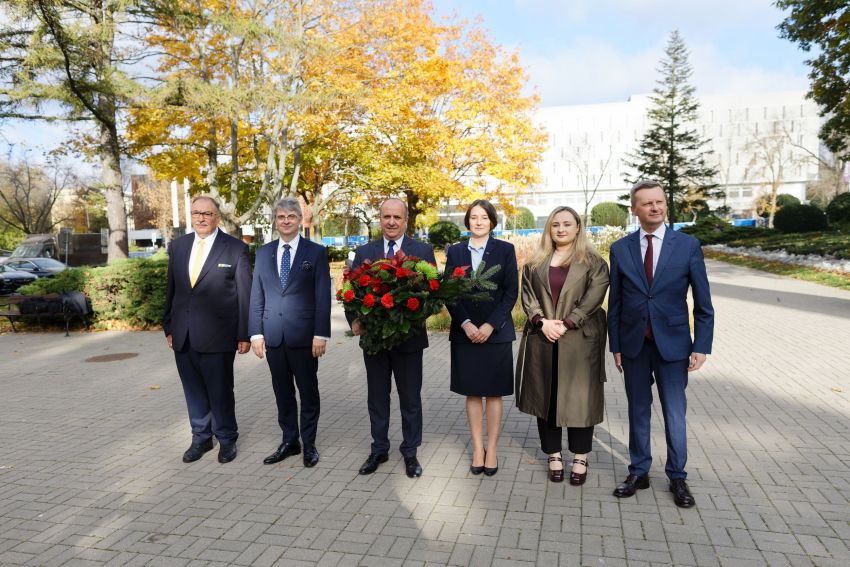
(482, 370)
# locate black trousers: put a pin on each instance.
(579, 439)
(207, 379)
(407, 369)
(291, 367)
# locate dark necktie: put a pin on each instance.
(647, 267)
(391, 249)
(285, 262)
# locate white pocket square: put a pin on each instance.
(225, 266)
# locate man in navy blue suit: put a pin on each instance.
(290, 324)
(206, 323)
(649, 334)
(403, 361)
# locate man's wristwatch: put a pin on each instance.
(539, 323)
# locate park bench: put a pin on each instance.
(68, 305)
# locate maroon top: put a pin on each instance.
(557, 277)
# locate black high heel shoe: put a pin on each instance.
(490, 471)
(478, 470)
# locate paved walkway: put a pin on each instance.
(90, 470)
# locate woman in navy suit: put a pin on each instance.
(482, 333)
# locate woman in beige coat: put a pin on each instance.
(560, 371)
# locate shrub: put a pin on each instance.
(838, 211)
(714, 230)
(443, 233)
(609, 214)
(799, 218)
(521, 220)
(337, 254)
(786, 200)
(131, 291)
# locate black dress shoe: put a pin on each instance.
(283, 451)
(490, 471)
(681, 493)
(478, 470)
(412, 467)
(311, 455)
(195, 452)
(632, 484)
(226, 453)
(372, 462)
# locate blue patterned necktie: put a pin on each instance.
(284, 266)
(391, 249)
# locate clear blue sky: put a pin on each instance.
(588, 51)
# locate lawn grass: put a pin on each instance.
(832, 279)
(836, 244)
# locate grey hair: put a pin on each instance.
(210, 199)
(643, 184)
(287, 204)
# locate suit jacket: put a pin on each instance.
(302, 310)
(214, 312)
(497, 311)
(374, 250)
(632, 302)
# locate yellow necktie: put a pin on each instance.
(197, 263)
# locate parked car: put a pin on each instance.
(11, 280)
(4, 254)
(41, 267)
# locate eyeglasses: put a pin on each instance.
(290, 218)
(203, 214)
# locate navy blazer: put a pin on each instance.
(302, 310)
(497, 312)
(374, 250)
(632, 302)
(215, 311)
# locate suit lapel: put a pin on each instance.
(296, 263)
(543, 274)
(183, 255)
(486, 259)
(212, 258)
(634, 252)
(466, 257)
(668, 244)
(272, 263)
(574, 276)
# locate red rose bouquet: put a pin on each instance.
(392, 298)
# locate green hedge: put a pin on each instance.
(838, 211)
(130, 291)
(800, 218)
(443, 234)
(609, 213)
(714, 230)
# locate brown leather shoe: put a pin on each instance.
(556, 476)
(632, 484)
(577, 479)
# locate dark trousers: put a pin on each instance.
(291, 367)
(207, 379)
(671, 379)
(407, 369)
(579, 439)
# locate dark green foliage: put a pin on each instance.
(443, 234)
(714, 230)
(838, 211)
(337, 254)
(785, 200)
(130, 291)
(824, 25)
(522, 219)
(609, 214)
(671, 151)
(800, 218)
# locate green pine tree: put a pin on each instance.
(671, 151)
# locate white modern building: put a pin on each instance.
(589, 144)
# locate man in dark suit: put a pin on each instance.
(206, 323)
(403, 361)
(290, 323)
(651, 271)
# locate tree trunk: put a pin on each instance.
(116, 209)
(413, 210)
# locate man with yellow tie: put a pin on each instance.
(206, 323)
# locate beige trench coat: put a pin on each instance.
(581, 352)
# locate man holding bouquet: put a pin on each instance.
(404, 361)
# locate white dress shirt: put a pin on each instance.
(657, 241)
(293, 247)
(397, 246)
(208, 244)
